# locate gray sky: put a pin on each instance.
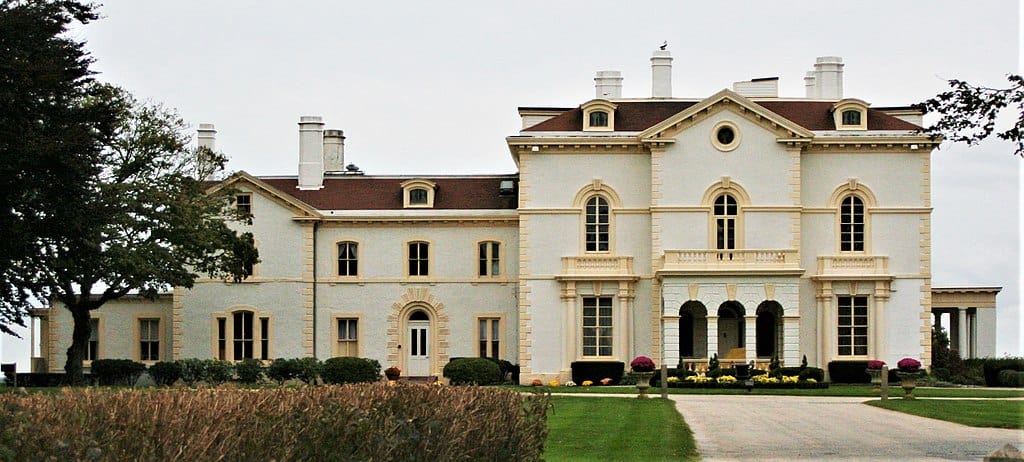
(433, 87)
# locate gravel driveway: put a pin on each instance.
(729, 427)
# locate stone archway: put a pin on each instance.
(693, 330)
(731, 330)
(769, 329)
(403, 318)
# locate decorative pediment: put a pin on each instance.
(261, 187)
(726, 99)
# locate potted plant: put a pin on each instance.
(875, 371)
(643, 370)
(392, 373)
(909, 371)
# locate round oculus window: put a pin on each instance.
(725, 136)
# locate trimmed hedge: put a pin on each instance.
(249, 371)
(475, 371)
(849, 372)
(1011, 378)
(742, 385)
(991, 367)
(165, 372)
(815, 373)
(597, 370)
(349, 369)
(116, 371)
(508, 370)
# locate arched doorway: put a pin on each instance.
(417, 359)
(769, 329)
(693, 330)
(730, 328)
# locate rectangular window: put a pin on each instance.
(490, 263)
(242, 335)
(419, 259)
(348, 259)
(597, 326)
(93, 351)
(348, 337)
(149, 339)
(853, 325)
(222, 338)
(264, 338)
(851, 117)
(243, 202)
(489, 330)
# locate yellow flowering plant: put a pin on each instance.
(726, 379)
(790, 379)
(587, 383)
(554, 383)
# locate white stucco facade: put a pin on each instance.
(680, 229)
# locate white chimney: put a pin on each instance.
(334, 150)
(206, 135)
(661, 74)
(765, 87)
(809, 85)
(311, 152)
(608, 84)
(828, 77)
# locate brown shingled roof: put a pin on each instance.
(385, 193)
(637, 116)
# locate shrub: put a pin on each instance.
(849, 372)
(479, 371)
(309, 369)
(366, 422)
(249, 371)
(349, 369)
(595, 371)
(992, 366)
(715, 373)
(281, 370)
(165, 372)
(1010, 378)
(217, 372)
(786, 371)
(193, 370)
(816, 373)
(116, 371)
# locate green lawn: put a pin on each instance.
(617, 429)
(834, 390)
(976, 413)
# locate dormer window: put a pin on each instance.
(850, 114)
(418, 193)
(598, 116)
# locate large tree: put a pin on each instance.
(54, 120)
(147, 223)
(969, 113)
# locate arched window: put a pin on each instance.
(851, 224)
(725, 212)
(597, 224)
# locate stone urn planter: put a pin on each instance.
(643, 382)
(643, 370)
(909, 371)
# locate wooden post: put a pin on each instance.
(664, 381)
(885, 383)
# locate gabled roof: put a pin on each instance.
(639, 115)
(358, 192)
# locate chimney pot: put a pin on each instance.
(334, 150)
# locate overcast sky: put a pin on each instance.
(433, 87)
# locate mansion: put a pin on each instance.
(743, 224)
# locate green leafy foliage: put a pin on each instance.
(193, 370)
(472, 371)
(165, 373)
(350, 370)
(116, 371)
(969, 113)
(217, 372)
(249, 371)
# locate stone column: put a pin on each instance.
(961, 329)
(712, 336)
(791, 341)
(877, 346)
(750, 342)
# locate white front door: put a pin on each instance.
(418, 359)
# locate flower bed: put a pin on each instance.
(354, 422)
(759, 381)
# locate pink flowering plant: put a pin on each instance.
(909, 365)
(875, 364)
(642, 364)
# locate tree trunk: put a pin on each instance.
(79, 344)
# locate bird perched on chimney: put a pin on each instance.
(664, 45)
